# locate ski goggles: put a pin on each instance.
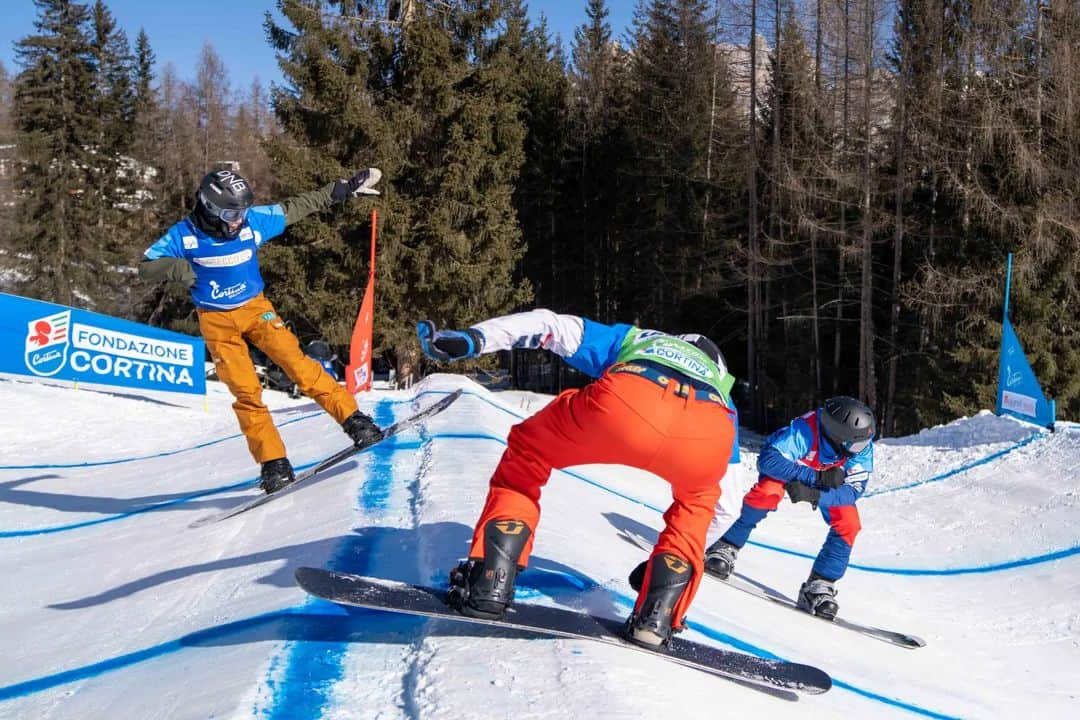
(229, 215)
(854, 447)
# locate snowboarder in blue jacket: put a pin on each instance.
(824, 458)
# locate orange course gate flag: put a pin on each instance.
(358, 372)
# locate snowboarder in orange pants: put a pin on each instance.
(660, 403)
(213, 252)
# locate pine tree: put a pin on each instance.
(540, 193)
(432, 102)
(681, 93)
(115, 173)
(7, 161)
(456, 261)
(791, 165)
(55, 234)
(600, 158)
(146, 135)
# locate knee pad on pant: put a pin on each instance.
(844, 519)
(765, 495)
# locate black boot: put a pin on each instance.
(651, 626)
(275, 475)
(720, 559)
(484, 587)
(817, 596)
(362, 429)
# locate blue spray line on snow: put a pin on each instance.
(1009, 565)
(209, 443)
(167, 503)
(243, 484)
(963, 468)
(306, 687)
(313, 669)
(320, 620)
(135, 458)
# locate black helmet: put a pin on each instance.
(221, 203)
(707, 346)
(320, 350)
(848, 424)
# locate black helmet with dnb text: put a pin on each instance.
(221, 203)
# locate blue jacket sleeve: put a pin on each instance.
(780, 453)
(168, 245)
(268, 220)
(600, 345)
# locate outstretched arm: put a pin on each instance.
(163, 262)
(175, 271)
(298, 207)
(588, 346)
(536, 329)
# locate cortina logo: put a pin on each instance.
(47, 343)
(510, 527)
(218, 293)
(676, 565)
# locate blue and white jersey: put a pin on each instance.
(795, 452)
(587, 345)
(226, 271)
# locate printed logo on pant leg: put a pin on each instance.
(676, 564)
(267, 316)
(510, 527)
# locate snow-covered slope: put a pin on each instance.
(115, 608)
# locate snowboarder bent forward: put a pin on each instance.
(825, 458)
(214, 252)
(660, 403)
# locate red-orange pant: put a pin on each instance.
(627, 420)
(227, 333)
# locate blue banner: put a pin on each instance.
(54, 342)
(1019, 393)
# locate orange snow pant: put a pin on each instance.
(227, 333)
(622, 419)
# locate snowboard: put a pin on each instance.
(758, 590)
(388, 595)
(329, 462)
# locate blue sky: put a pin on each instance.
(178, 30)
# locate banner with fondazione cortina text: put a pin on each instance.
(65, 345)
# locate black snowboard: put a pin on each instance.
(380, 594)
(758, 590)
(334, 459)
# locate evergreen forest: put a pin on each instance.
(829, 189)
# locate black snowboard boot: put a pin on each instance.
(484, 588)
(817, 596)
(276, 474)
(651, 626)
(362, 429)
(720, 559)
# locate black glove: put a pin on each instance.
(799, 492)
(832, 478)
(445, 345)
(359, 184)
